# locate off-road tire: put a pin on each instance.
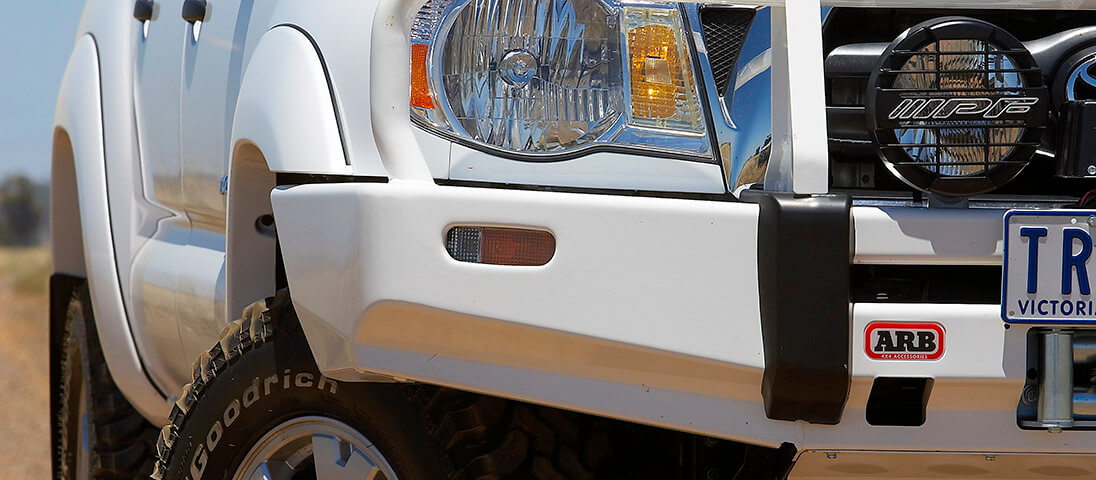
(121, 441)
(251, 381)
(424, 432)
(488, 438)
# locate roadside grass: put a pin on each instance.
(24, 363)
(27, 269)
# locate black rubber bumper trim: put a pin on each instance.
(804, 253)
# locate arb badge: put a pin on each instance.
(904, 341)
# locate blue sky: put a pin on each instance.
(35, 44)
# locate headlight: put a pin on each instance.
(544, 78)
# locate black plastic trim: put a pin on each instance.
(785, 460)
(804, 253)
(898, 401)
(881, 98)
(715, 197)
(143, 9)
(282, 178)
(330, 86)
(194, 11)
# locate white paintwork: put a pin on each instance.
(342, 32)
(79, 113)
(648, 312)
(390, 82)
(800, 151)
(157, 69)
(134, 218)
(659, 295)
(200, 311)
(588, 229)
(435, 150)
(297, 133)
(249, 269)
(927, 236)
(977, 385)
(598, 170)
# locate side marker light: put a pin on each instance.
(500, 245)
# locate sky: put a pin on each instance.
(35, 44)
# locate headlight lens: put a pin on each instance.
(533, 76)
(542, 78)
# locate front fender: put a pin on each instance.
(285, 107)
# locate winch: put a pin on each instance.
(1066, 380)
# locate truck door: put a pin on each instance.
(154, 269)
(212, 68)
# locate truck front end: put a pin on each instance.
(861, 234)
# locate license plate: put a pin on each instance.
(1049, 267)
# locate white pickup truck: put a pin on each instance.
(571, 239)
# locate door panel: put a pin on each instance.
(156, 101)
(212, 67)
(158, 60)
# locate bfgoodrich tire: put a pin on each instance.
(259, 406)
(100, 435)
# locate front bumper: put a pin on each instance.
(649, 311)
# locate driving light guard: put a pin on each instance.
(956, 106)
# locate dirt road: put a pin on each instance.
(24, 364)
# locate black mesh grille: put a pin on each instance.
(724, 32)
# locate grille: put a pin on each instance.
(725, 31)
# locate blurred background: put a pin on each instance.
(34, 47)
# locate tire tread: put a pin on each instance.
(124, 442)
(256, 325)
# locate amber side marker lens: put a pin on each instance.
(500, 246)
(420, 88)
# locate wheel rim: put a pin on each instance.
(83, 445)
(329, 448)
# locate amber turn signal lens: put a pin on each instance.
(420, 88)
(500, 246)
(654, 68)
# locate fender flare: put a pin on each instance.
(286, 121)
(79, 116)
(285, 107)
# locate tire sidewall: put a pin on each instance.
(75, 368)
(278, 381)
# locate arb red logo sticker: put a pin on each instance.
(904, 341)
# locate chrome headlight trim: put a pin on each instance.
(620, 136)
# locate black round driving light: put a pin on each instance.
(956, 106)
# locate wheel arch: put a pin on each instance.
(286, 121)
(251, 248)
(81, 239)
(66, 234)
